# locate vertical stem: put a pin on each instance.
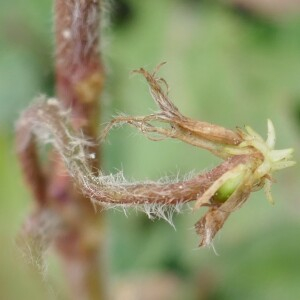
(79, 82)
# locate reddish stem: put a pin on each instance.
(79, 81)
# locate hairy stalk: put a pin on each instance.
(30, 164)
(48, 122)
(79, 80)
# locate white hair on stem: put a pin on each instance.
(50, 125)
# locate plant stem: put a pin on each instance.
(79, 81)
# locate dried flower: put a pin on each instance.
(234, 186)
(249, 161)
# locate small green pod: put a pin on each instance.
(227, 189)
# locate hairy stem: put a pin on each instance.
(79, 81)
(49, 123)
(46, 117)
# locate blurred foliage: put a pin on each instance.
(224, 65)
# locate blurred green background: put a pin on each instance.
(228, 62)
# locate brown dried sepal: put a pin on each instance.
(209, 225)
(202, 129)
(201, 134)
